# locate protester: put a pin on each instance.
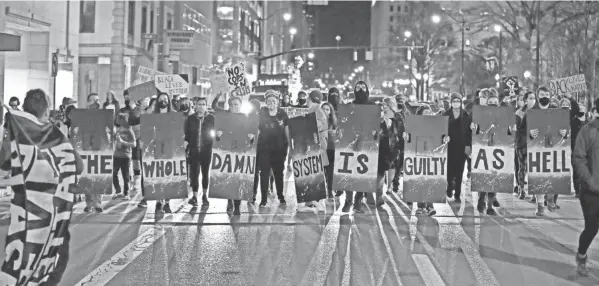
(334, 98)
(391, 144)
(111, 102)
(584, 159)
(273, 141)
(285, 100)
(199, 130)
(314, 101)
(14, 103)
(302, 100)
(329, 111)
(121, 158)
(92, 201)
(460, 145)
(521, 141)
(576, 123)
(421, 206)
(185, 105)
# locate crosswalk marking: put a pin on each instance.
(428, 272)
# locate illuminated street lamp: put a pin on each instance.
(436, 19)
(497, 28)
(311, 55)
(407, 34)
(287, 17)
(353, 74)
(283, 62)
(356, 70)
(292, 31)
(527, 74)
(361, 68)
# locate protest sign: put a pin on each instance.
(42, 175)
(164, 166)
(510, 86)
(566, 85)
(357, 150)
(307, 158)
(143, 90)
(548, 159)
(219, 83)
(233, 156)
(145, 74)
(93, 140)
(493, 149)
(425, 159)
(172, 84)
(293, 112)
(238, 83)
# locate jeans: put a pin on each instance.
(455, 171)
(199, 163)
(590, 212)
(328, 170)
(271, 161)
(120, 164)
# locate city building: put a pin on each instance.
(277, 24)
(116, 38)
(42, 26)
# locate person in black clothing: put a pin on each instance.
(14, 103)
(334, 97)
(285, 100)
(460, 145)
(576, 123)
(111, 102)
(198, 129)
(302, 100)
(273, 141)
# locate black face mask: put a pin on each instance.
(360, 95)
(301, 101)
(544, 101)
(163, 104)
(580, 114)
(127, 102)
(400, 105)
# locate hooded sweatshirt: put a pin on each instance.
(586, 156)
(362, 97)
(334, 100)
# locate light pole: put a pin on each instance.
(498, 29)
(408, 34)
(292, 32)
(338, 39)
(286, 18)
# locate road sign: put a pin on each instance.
(172, 84)
(149, 36)
(10, 43)
(180, 39)
(54, 64)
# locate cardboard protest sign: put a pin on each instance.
(357, 150)
(548, 159)
(307, 159)
(172, 84)
(219, 83)
(293, 112)
(143, 90)
(164, 166)
(145, 74)
(570, 84)
(493, 149)
(238, 83)
(510, 86)
(425, 159)
(233, 156)
(93, 140)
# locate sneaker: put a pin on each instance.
(167, 208)
(522, 195)
(380, 202)
(307, 208)
(117, 196)
(158, 207)
(431, 211)
(540, 210)
(491, 211)
(205, 200)
(419, 211)
(193, 201)
(338, 193)
(87, 209)
(516, 190)
(581, 265)
(99, 209)
(236, 211)
(496, 204)
(450, 193)
(143, 203)
(282, 202)
(263, 204)
(126, 197)
(533, 200)
(253, 199)
(347, 206)
(480, 206)
(552, 207)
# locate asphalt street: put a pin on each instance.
(390, 245)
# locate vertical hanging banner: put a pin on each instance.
(42, 175)
(172, 84)
(238, 83)
(92, 138)
(493, 149)
(233, 156)
(357, 150)
(307, 159)
(548, 159)
(425, 159)
(164, 165)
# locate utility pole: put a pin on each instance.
(161, 39)
(538, 49)
(463, 48)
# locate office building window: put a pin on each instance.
(152, 21)
(406, 9)
(390, 8)
(131, 21)
(144, 19)
(390, 18)
(87, 17)
(169, 21)
(398, 8)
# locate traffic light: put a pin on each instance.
(311, 66)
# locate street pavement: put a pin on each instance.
(390, 245)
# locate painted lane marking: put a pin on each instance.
(427, 270)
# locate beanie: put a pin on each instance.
(271, 93)
(456, 95)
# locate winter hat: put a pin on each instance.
(271, 93)
(456, 95)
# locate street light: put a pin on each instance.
(497, 28)
(311, 55)
(287, 17)
(283, 62)
(338, 39)
(407, 34)
(361, 68)
(353, 74)
(436, 19)
(527, 74)
(292, 31)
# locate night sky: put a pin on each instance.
(350, 20)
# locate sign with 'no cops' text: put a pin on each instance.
(172, 84)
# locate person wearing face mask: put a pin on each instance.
(273, 142)
(521, 145)
(199, 128)
(134, 122)
(576, 123)
(362, 96)
(256, 108)
(459, 147)
(184, 105)
(285, 100)
(404, 111)
(334, 98)
(391, 146)
(490, 197)
(544, 103)
(302, 100)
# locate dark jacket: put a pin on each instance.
(272, 135)
(521, 130)
(464, 132)
(391, 141)
(575, 126)
(585, 158)
(198, 133)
